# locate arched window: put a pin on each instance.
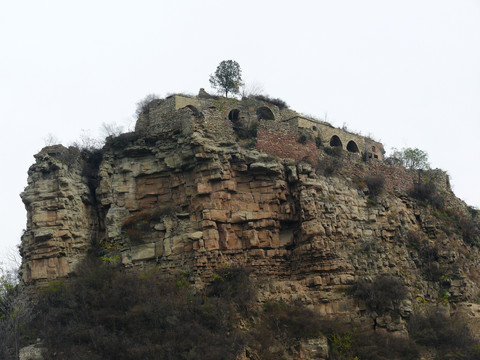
(352, 147)
(234, 115)
(264, 113)
(335, 141)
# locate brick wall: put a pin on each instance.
(281, 140)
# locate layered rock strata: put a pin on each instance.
(178, 198)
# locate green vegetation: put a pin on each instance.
(227, 78)
(105, 312)
(411, 158)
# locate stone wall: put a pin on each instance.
(347, 140)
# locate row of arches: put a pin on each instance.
(351, 145)
(263, 113)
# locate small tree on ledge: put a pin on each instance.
(227, 78)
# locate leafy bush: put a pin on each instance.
(335, 151)
(353, 342)
(381, 295)
(123, 140)
(106, 313)
(375, 184)
(234, 284)
(427, 191)
(330, 166)
(411, 158)
(274, 101)
(302, 139)
(413, 240)
(14, 314)
(144, 105)
(246, 129)
(469, 230)
(280, 326)
(251, 144)
(451, 336)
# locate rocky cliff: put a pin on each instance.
(191, 193)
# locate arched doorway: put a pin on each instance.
(264, 113)
(234, 115)
(335, 141)
(352, 147)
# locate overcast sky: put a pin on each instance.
(406, 72)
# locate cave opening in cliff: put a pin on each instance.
(335, 141)
(352, 147)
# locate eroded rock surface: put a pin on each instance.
(179, 197)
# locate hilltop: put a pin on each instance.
(313, 212)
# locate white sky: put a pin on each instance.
(407, 72)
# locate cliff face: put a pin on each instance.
(187, 196)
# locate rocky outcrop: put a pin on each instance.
(61, 215)
(178, 198)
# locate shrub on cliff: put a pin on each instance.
(144, 105)
(426, 190)
(449, 335)
(274, 101)
(15, 314)
(381, 295)
(234, 285)
(280, 326)
(375, 184)
(360, 342)
(106, 313)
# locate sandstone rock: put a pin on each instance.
(313, 349)
(192, 197)
(31, 352)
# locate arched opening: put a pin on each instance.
(335, 141)
(194, 110)
(234, 115)
(264, 113)
(352, 147)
